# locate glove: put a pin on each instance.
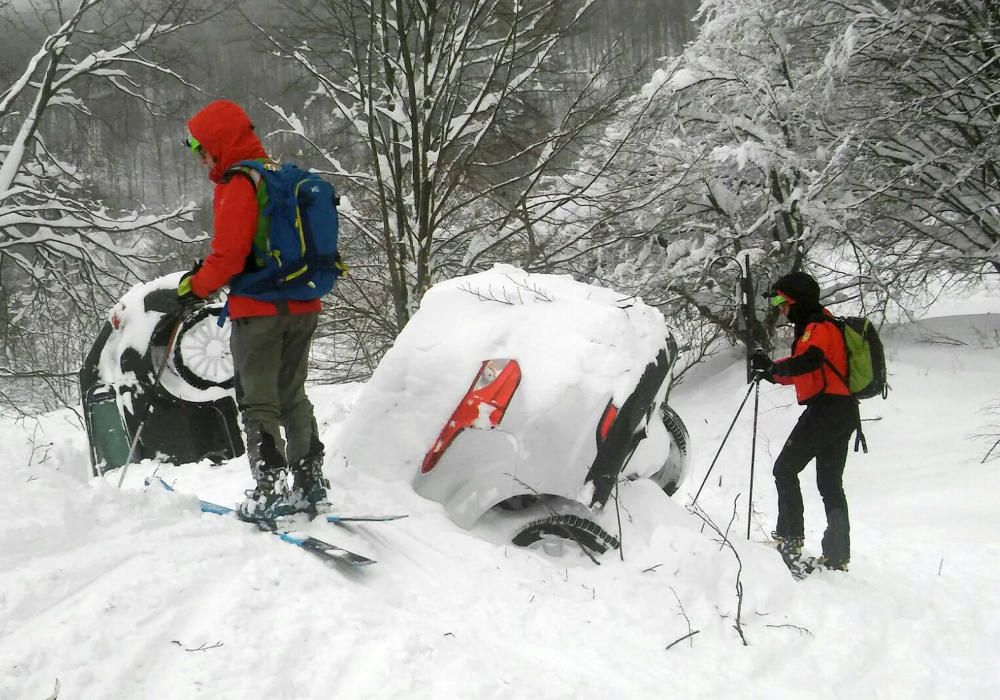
(761, 366)
(185, 294)
(760, 362)
(342, 267)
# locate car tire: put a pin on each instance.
(573, 528)
(197, 357)
(672, 473)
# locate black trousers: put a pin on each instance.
(823, 433)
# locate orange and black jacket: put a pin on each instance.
(225, 132)
(819, 345)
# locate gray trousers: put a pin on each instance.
(271, 362)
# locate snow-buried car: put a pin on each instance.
(526, 394)
(183, 399)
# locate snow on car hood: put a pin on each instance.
(133, 328)
(563, 333)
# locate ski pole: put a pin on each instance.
(753, 451)
(156, 381)
(721, 445)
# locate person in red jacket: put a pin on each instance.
(815, 368)
(269, 341)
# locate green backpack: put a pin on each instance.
(866, 370)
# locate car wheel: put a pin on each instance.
(201, 351)
(672, 473)
(571, 528)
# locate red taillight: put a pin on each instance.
(483, 406)
(607, 420)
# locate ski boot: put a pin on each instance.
(269, 500)
(309, 486)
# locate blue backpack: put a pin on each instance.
(295, 247)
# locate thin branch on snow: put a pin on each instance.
(204, 647)
(803, 630)
(681, 639)
(724, 542)
(687, 620)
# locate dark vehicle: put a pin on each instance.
(155, 366)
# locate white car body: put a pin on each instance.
(579, 348)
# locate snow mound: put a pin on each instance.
(133, 594)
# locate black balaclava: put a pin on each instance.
(803, 290)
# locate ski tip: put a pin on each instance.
(335, 518)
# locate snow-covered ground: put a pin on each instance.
(134, 594)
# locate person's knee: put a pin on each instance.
(785, 470)
(831, 490)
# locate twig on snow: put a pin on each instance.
(681, 639)
(687, 620)
(697, 510)
(983, 460)
(204, 647)
(540, 293)
(794, 627)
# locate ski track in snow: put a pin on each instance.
(136, 594)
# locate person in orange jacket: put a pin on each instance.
(815, 368)
(270, 340)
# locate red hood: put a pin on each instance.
(224, 130)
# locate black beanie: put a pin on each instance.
(799, 287)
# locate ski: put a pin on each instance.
(337, 519)
(324, 550)
(289, 522)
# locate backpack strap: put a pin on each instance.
(840, 375)
(859, 438)
(250, 173)
(253, 170)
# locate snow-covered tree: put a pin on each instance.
(728, 153)
(63, 253)
(457, 112)
(856, 140)
(929, 145)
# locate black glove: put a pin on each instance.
(185, 293)
(761, 366)
(760, 362)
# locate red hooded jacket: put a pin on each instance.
(225, 132)
(810, 370)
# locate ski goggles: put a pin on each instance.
(193, 144)
(777, 299)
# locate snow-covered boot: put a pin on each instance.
(790, 549)
(826, 563)
(269, 499)
(309, 486)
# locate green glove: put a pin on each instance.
(185, 294)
